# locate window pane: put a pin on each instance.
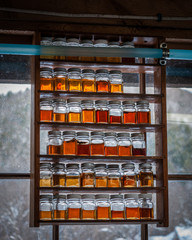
(14, 213)
(180, 217)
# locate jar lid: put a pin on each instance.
(59, 69)
(54, 133)
(115, 103)
(86, 43)
(88, 71)
(59, 166)
(101, 42)
(47, 196)
(45, 69)
(138, 135)
(117, 196)
(73, 196)
(115, 72)
(87, 102)
(59, 101)
(87, 196)
(103, 102)
(87, 165)
(100, 165)
(78, 70)
(102, 71)
(73, 100)
(45, 165)
(128, 44)
(46, 101)
(73, 40)
(127, 135)
(82, 134)
(60, 196)
(131, 195)
(72, 166)
(59, 39)
(110, 134)
(97, 134)
(69, 133)
(114, 44)
(128, 165)
(128, 103)
(113, 166)
(147, 195)
(145, 165)
(142, 103)
(98, 196)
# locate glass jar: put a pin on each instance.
(114, 59)
(74, 110)
(74, 80)
(88, 111)
(59, 42)
(72, 42)
(146, 175)
(59, 207)
(117, 207)
(114, 175)
(83, 144)
(58, 175)
(74, 206)
(124, 144)
(139, 148)
(87, 176)
(143, 112)
(126, 59)
(46, 79)
(88, 209)
(132, 206)
(60, 78)
(115, 112)
(129, 112)
(46, 207)
(116, 81)
(59, 111)
(54, 143)
(101, 43)
(102, 80)
(129, 175)
(72, 175)
(69, 143)
(45, 175)
(97, 144)
(146, 206)
(103, 207)
(100, 175)
(46, 110)
(88, 80)
(46, 41)
(110, 144)
(87, 43)
(102, 111)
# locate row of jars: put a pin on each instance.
(96, 207)
(100, 111)
(75, 42)
(96, 143)
(95, 175)
(75, 80)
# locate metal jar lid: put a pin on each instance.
(116, 196)
(105, 71)
(128, 165)
(72, 166)
(46, 69)
(82, 134)
(73, 133)
(73, 196)
(59, 69)
(114, 44)
(115, 72)
(87, 102)
(115, 103)
(88, 71)
(54, 133)
(88, 196)
(88, 165)
(99, 196)
(147, 195)
(128, 103)
(128, 44)
(113, 166)
(73, 100)
(124, 135)
(97, 134)
(99, 165)
(101, 42)
(75, 70)
(110, 134)
(131, 195)
(86, 43)
(101, 102)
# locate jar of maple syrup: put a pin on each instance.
(132, 206)
(129, 175)
(97, 144)
(100, 175)
(72, 175)
(116, 81)
(124, 144)
(46, 79)
(115, 112)
(110, 144)
(143, 112)
(129, 112)
(102, 110)
(146, 206)
(87, 176)
(69, 143)
(59, 111)
(117, 207)
(146, 175)
(88, 111)
(88, 209)
(74, 80)
(87, 44)
(54, 143)
(45, 175)
(114, 176)
(59, 207)
(103, 207)
(88, 80)
(74, 206)
(139, 146)
(74, 110)
(83, 144)
(102, 80)
(46, 110)
(60, 78)
(58, 175)
(46, 207)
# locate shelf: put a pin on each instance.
(102, 190)
(99, 222)
(101, 127)
(98, 159)
(152, 98)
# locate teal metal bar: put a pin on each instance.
(180, 54)
(20, 49)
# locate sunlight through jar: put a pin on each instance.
(88, 209)
(124, 144)
(100, 175)
(117, 207)
(46, 79)
(59, 42)
(88, 111)
(59, 111)
(139, 146)
(72, 42)
(129, 175)
(74, 80)
(102, 111)
(60, 78)
(115, 116)
(59, 207)
(87, 176)
(97, 144)
(116, 81)
(146, 206)
(110, 144)
(74, 110)
(103, 207)
(88, 80)
(83, 144)
(46, 207)
(146, 175)
(143, 112)
(74, 206)
(132, 206)
(102, 80)
(101, 43)
(54, 143)
(58, 175)
(114, 176)
(46, 110)
(45, 175)
(87, 43)
(69, 143)
(129, 112)
(72, 175)
(114, 59)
